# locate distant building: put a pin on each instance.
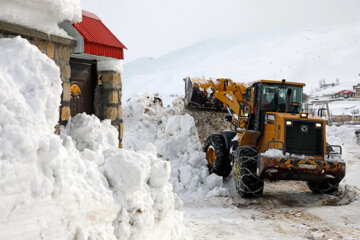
(345, 94)
(342, 118)
(357, 90)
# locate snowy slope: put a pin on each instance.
(307, 56)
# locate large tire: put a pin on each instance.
(323, 187)
(217, 155)
(247, 183)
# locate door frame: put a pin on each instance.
(93, 80)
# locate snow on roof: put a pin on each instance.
(345, 92)
(42, 15)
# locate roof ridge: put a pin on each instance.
(90, 15)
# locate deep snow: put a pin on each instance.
(78, 185)
(173, 135)
(213, 208)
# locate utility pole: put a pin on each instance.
(328, 113)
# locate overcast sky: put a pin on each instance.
(155, 27)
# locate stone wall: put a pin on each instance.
(108, 89)
(108, 100)
(61, 55)
(56, 48)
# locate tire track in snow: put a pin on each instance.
(289, 205)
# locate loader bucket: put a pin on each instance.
(199, 96)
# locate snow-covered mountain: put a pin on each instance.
(306, 56)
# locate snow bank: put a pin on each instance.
(345, 137)
(78, 185)
(173, 136)
(139, 181)
(88, 132)
(43, 15)
(340, 135)
(38, 168)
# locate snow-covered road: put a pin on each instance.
(214, 210)
(287, 210)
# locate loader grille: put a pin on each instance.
(303, 138)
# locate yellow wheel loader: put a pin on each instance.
(270, 138)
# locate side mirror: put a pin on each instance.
(248, 95)
(228, 118)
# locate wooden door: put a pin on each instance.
(82, 86)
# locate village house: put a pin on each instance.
(344, 94)
(90, 66)
(357, 90)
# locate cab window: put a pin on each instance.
(276, 96)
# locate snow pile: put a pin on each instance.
(38, 170)
(91, 136)
(340, 135)
(43, 15)
(173, 136)
(78, 185)
(345, 136)
(139, 181)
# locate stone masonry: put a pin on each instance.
(108, 100)
(108, 88)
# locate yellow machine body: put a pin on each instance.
(265, 129)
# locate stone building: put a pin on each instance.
(90, 66)
(357, 90)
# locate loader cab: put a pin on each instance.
(281, 98)
(274, 96)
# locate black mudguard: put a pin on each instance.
(228, 136)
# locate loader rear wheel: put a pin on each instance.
(323, 187)
(217, 155)
(247, 183)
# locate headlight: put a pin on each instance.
(318, 125)
(288, 123)
(304, 115)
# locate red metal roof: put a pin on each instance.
(346, 92)
(98, 39)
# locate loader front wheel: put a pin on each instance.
(323, 187)
(247, 183)
(217, 155)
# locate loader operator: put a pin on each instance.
(277, 104)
